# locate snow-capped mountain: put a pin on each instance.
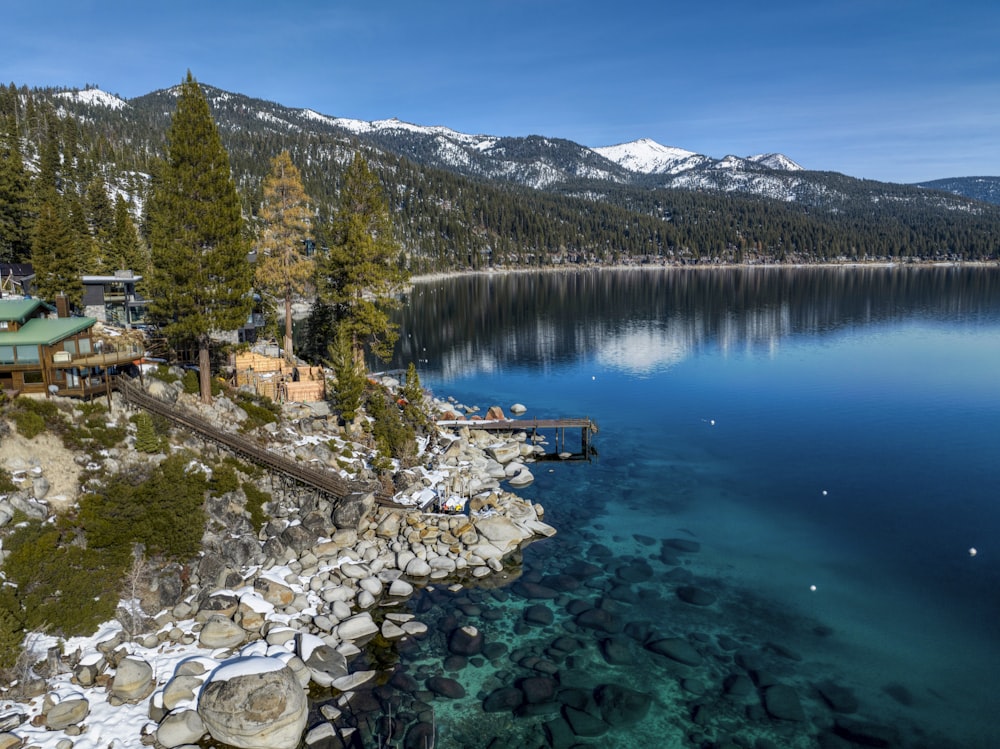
(94, 97)
(646, 156)
(539, 162)
(777, 161)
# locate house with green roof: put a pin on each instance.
(58, 355)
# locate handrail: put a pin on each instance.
(325, 481)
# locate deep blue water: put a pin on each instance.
(828, 428)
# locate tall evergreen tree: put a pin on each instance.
(126, 250)
(359, 275)
(87, 249)
(283, 269)
(100, 223)
(14, 196)
(200, 275)
(55, 254)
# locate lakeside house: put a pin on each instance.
(62, 354)
(114, 300)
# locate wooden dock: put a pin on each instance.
(587, 428)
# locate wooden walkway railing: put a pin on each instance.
(325, 481)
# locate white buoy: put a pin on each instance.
(712, 422)
(812, 588)
(973, 551)
(824, 492)
(593, 377)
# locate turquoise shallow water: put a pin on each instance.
(826, 459)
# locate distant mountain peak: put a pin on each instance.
(777, 161)
(646, 156)
(94, 97)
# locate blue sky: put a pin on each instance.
(895, 90)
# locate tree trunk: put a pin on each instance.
(204, 369)
(289, 357)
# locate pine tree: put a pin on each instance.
(87, 249)
(101, 224)
(146, 440)
(359, 274)
(126, 250)
(200, 276)
(349, 374)
(55, 254)
(318, 329)
(15, 233)
(283, 269)
(412, 390)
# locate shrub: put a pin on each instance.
(7, 485)
(162, 372)
(394, 437)
(164, 512)
(192, 386)
(256, 499)
(29, 424)
(259, 409)
(59, 584)
(224, 480)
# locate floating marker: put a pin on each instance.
(712, 422)
(824, 492)
(593, 377)
(973, 552)
(812, 588)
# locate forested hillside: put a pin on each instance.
(90, 161)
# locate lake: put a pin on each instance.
(796, 478)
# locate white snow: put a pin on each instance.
(94, 97)
(646, 156)
(777, 161)
(248, 666)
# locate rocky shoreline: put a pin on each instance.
(264, 618)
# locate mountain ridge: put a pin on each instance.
(643, 156)
(469, 201)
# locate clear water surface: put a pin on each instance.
(828, 437)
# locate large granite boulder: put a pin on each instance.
(133, 680)
(69, 710)
(502, 532)
(180, 728)
(352, 509)
(324, 662)
(254, 703)
(221, 632)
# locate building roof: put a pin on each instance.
(18, 270)
(46, 332)
(18, 309)
(111, 279)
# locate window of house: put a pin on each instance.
(26, 354)
(6, 354)
(33, 377)
(84, 345)
(69, 345)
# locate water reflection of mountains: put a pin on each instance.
(643, 320)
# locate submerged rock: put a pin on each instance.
(677, 649)
(695, 596)
(782, 702)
